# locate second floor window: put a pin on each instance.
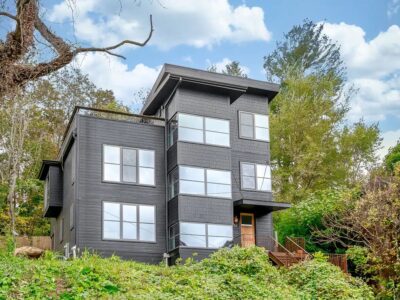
(200, 181)
(253, 126)
(255, 177)
(128, 165)
(197, 129)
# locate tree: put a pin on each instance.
(22, 41)
(233, 68)
(392, 159)
(307, 49)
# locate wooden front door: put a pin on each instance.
(247, 229)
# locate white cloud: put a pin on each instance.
(393, 8)
(177, 22)
(390, 139)
(220, 65)
(373, 68)
(109, 72)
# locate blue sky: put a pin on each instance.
(197, 33)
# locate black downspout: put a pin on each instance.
(166, 165)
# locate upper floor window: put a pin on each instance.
(253, 126)
(128, 222)
(200, 235)
(197, 129)
(200, 181)
(256, 177)
(128, 165)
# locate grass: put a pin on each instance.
(228, 274)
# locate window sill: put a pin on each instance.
(254, 140)
(201, 196)
(128, 183)
(128, 241)
(198, 143)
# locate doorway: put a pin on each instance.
(247, 230)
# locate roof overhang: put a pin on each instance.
(232, 86)
(44, 169)
(261, 206)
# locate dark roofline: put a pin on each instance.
(44, 169)
(233, 86)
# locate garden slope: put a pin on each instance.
(229, 274)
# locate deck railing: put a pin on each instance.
(339, 260)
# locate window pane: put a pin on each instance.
(264, 184)
(190, 173)
(190, 121)
(261, 121)
(219, 190)
(191, 187)
(129, 157)
(263, 171)
(111, 211)
(146, 176)
(146, 214)
(193, 240)
(112, 154)
(215, 138)
(262, 134)
(111, 230)
(190, 135)
(248, 169)
(111, 172)
(246, 119)
(219, 242)
(247, 220)
(147, 232)
(248, 182)
(192, 228)
(216, 176)
(129, 213)
(129, 174)
(219, 230)
(246, 131)
(146, 158)
(217, 125)
(129, 231)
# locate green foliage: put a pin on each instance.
(233, 68)
(392, 158)
(322, 280)
(306, 216)
(237, 273)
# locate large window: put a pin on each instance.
(199, 181)
(197, 129)
(253, 126)
(128, 165)
(128, 222)
(255, 177)
(200, 235)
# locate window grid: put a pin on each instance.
(254, 134)
(205, 182)
(124, 165)
(137, 223)
(175, 234)
(265, 177)
(201, 131)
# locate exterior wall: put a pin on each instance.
(92, 134)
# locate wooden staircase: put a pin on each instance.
(287, 255)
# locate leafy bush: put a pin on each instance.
(236, 273)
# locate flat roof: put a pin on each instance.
(234, 86)
(44, 169)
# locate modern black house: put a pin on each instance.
(190, 174)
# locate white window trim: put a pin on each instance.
(254, 127)
(206, 235)
(255, 177)
(203, 130)
(204, 181)
(121, 221)
(137, 166)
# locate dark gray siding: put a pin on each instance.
(92, 134)
(264, 228)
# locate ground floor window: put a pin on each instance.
(200, 235)
(133, 222)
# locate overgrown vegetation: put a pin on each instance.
(229, 274)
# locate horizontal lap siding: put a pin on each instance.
(264, 229)
(93, 133)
